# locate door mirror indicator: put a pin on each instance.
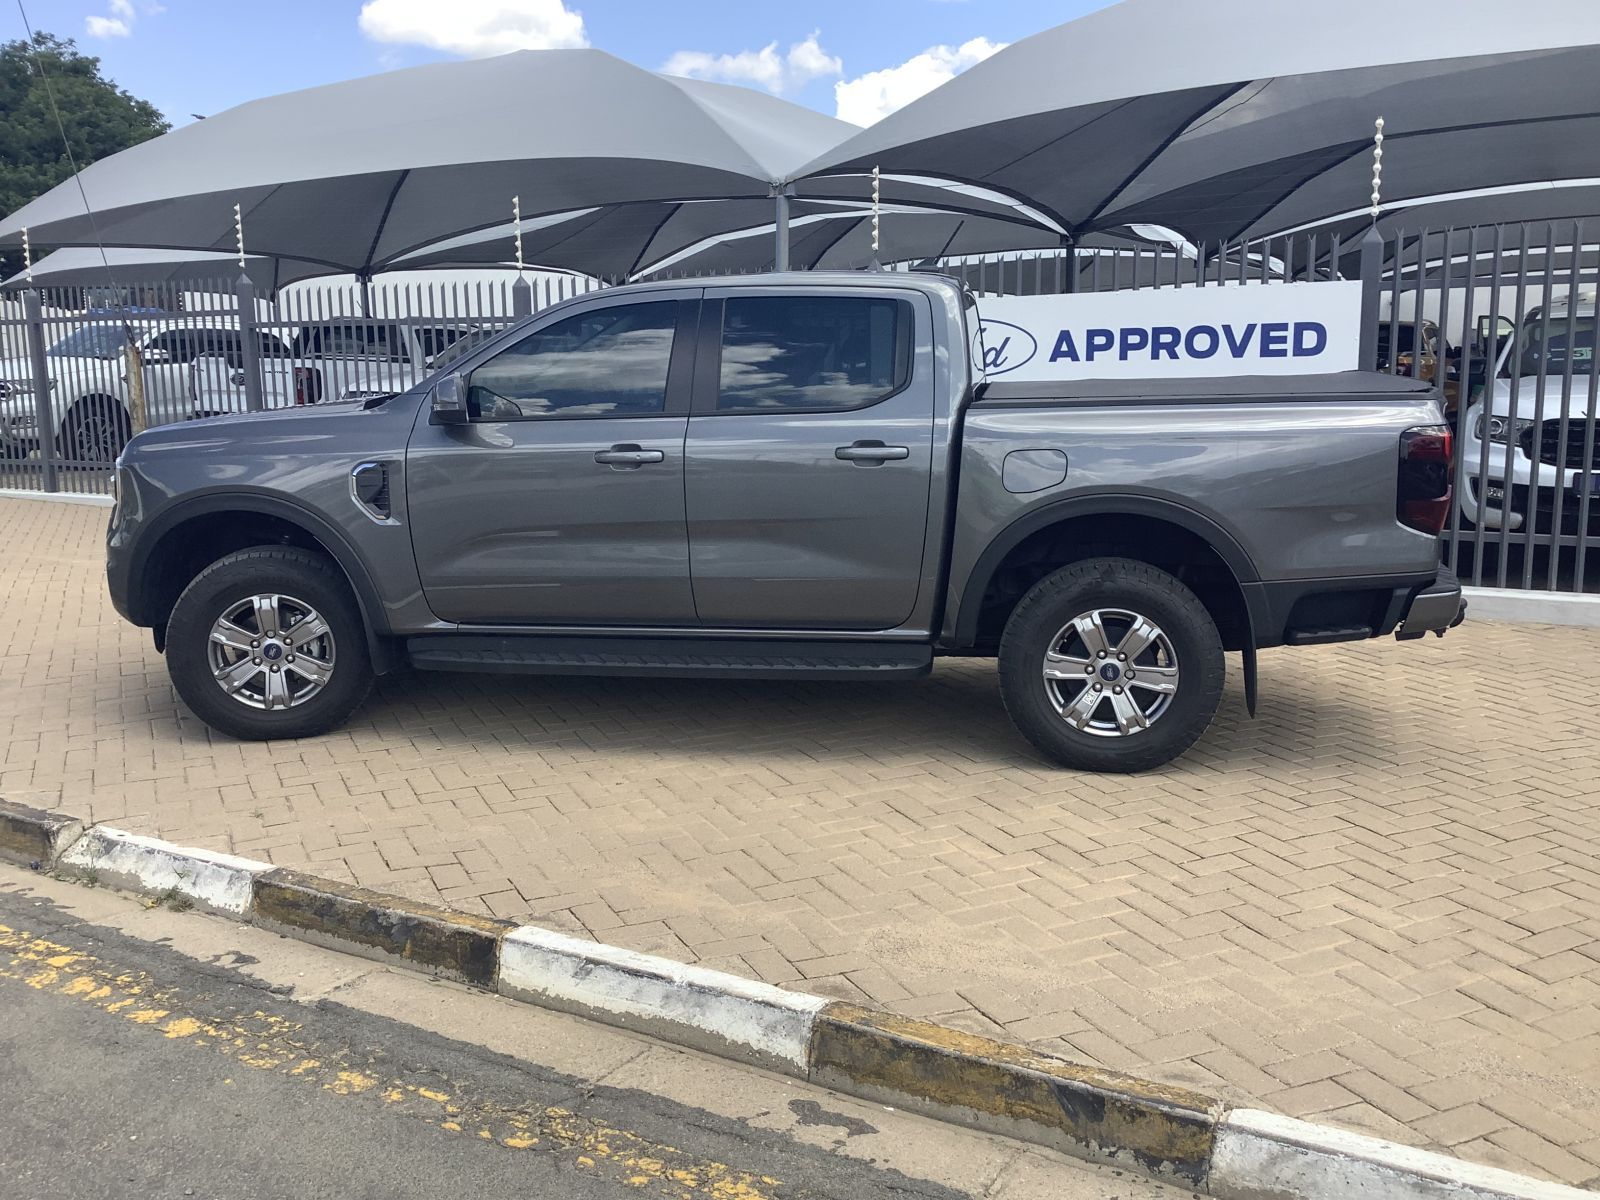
(449, 401)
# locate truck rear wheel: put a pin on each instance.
(268, 643)
(1111, 665)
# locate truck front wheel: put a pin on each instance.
(1111, 665)
(268, 643)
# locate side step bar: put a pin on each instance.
(679, 658)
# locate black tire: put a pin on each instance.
(1117, 586)
(95, 431)
(309, 580)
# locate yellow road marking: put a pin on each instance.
(268, 1042)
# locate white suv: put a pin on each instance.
(1519, 457)
(87, 371)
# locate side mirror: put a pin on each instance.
(449, 401)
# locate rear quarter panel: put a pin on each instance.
(1305, 486)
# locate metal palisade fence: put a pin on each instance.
(1501, 318)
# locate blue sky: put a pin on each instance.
(202, 56)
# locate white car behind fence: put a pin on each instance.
(1530, 450)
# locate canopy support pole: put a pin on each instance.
(244, 291)
(366, 293)
(1371, 295)
(780, 248)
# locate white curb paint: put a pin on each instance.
(220, 882)
(709, 1010)
(57, 497)
(1262, 1156)
(1532, 608)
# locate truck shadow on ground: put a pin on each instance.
(954, 714)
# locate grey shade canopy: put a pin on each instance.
(842, 240)
(356, 174)
(1558, 200)
(1085, 120)
(83, 266)
(621, 241)
(1463, 123)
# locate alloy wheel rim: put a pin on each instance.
(97, 439)
(271, 651)
(1111, 672)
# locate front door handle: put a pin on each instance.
(871, 452)
(627, 455)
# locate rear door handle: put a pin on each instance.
(870, 452)
(628, 455)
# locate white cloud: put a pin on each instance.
(121, 17)
(475, 28)
(873, 96)
(106, 27)
(765, 67)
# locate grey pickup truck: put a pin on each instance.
(785, 477)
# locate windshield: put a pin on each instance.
(92, 341)
(1551, 342)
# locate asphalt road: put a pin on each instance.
(130, 1070)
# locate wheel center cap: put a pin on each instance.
(272, 652)
(1110, 672)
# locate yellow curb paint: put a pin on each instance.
(268, 1042)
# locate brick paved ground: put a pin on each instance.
(1378, 905)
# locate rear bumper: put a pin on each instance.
(1436, 608)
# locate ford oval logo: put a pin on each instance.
(1006, 347)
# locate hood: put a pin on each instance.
(1528, 403)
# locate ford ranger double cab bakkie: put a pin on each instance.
(786, 477)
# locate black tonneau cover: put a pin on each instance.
(1232, 389)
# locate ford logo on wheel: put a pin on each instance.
(1006, 347)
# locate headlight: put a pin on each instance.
(1499, 426)
(12, 389)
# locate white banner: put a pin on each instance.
(1265, 329)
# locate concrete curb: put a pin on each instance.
(57, 497)
(707, 1010)
(1262, 1156)
(33, 837)
(218, 882)
(1008, 1089)
(1166, 1132)
(456, 945)
(1533, 608)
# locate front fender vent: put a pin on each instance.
(369, 488)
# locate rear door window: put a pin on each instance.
(812, 353)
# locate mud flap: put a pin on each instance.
(1248, 658)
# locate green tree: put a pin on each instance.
(100, 119)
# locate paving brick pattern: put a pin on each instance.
(1377, 905)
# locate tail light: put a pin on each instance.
(307, 385)
(1423, 498)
